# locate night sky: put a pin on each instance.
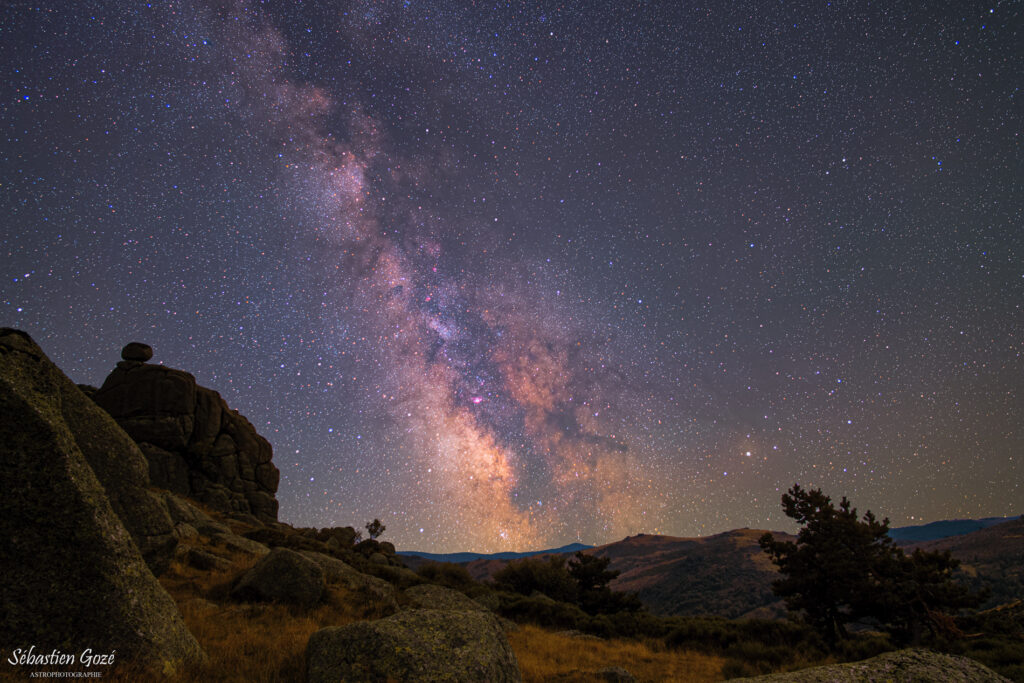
(512, 275)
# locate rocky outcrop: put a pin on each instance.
(370, 588)
(282, 576)
(418, 645)
(113, 457)
(431, 596)
(72, 577)
(904, 666)
(195, 445)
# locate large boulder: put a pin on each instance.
(418, 645)
(195, 445)
(282, 576)
(72, 576)
(903, 666)
(431, 596)
(112, 455)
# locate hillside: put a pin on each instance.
(725, 574)
(992, 557)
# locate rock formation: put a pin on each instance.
(72, 576)
(195, 444)
(417, 645)
(112, 455)
(369, 588)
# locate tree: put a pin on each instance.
(375, 528)
(916, 594)
(592, 578)
(842, 569)
(590, 571)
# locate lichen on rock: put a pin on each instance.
(416, 645)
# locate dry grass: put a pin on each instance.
(545, 654)
(262, 643)
(258, 642)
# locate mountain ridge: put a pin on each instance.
(728, 574)
(944, 528)
(903, 535)
(464, 557)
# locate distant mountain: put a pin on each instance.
(944, 529)
(462, 558)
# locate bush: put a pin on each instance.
(542, 611)
(449, 575)
(544, 575)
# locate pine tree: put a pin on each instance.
(843, 569)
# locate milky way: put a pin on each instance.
(511, 277)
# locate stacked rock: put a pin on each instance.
(195, 444)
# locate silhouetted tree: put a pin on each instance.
(843, 569)
(594, 593)
(375, 528)
(916, 595)
(591, 572)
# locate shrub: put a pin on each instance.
(546, 575)
(447, 574)
(542, 611)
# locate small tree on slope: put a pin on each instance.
(375, 528)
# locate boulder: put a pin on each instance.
(282, 576)
(903, 666)
(239, 544)
(185, 532)
(337, 537)
(417, 645)
(72, 576)
(112, 455)
(194, 444)
(430, 596)
(206, 561)
(342, 574)
(137, 351)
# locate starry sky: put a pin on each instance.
(513, 275)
